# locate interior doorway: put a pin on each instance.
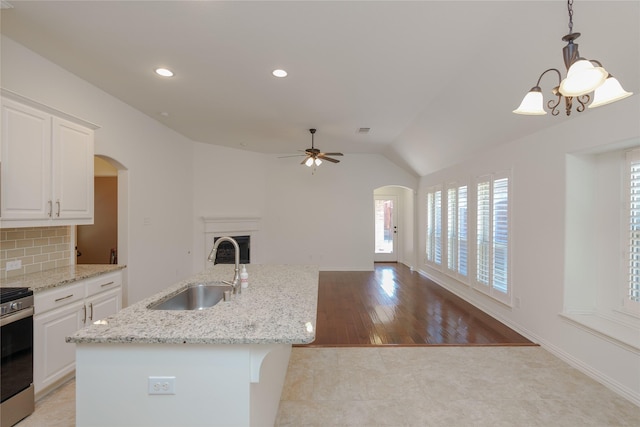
(98, 243)
(386, 228)
(394, 229)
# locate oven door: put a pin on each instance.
(16, 373)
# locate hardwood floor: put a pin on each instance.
(394, 306)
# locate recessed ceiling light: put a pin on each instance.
(164, 72)
(279, 73)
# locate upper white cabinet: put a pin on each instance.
(46, 166)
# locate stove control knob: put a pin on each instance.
(16, 306)
(3, 310)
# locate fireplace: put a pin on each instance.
(245, 231)
(226, 251)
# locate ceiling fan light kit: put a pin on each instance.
(583, 77)
(314, 157)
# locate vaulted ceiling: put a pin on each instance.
(435, 81)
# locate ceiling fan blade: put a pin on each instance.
(329, 159)
(293, 155)
(331, 154)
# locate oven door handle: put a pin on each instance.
(22, 314)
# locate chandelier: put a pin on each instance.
(583, 77)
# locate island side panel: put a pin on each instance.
(266, 393)
(212, 385)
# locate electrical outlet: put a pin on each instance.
(162, 385)
(14, 265)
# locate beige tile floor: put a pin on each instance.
(422, 386)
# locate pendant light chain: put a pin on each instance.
(570, 9)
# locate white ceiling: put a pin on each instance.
(436, 81)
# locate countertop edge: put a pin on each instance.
(60, 276)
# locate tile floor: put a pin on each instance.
(422, 386)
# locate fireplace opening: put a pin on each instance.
(226, 251)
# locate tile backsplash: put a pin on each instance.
(38, 248)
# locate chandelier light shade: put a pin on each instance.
(610, 91)
(583, 77)
(532, 104)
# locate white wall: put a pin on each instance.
(325, 218)
(228, 183)
(158, 162)
(539, 219)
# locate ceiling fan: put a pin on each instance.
(314, 157)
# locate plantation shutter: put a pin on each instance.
(483, 237)
(633, 295)
(437, 235)
(452, 224)
(462, 231)
(430, 227)
(500, 234)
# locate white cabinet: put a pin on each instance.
(103, 297)
(60, 312)
(47, 166)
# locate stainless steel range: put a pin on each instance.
(16, 371)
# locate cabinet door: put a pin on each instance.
(103, 305)
(72, 170)
(26, 162)
(53, 358)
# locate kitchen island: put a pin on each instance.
(221, 366)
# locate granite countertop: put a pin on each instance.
(279, 306)
(59, 276)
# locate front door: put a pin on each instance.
(386, 229)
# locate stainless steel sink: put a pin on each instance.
(194, 297)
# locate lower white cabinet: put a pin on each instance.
(60, 312)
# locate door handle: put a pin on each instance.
(90, 311)
(84, 315)
(58, 204)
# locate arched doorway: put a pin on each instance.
(108, 167)
(98, 243)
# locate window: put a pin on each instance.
(492, 236)
(463, 232)
(632, 285)
(602, 246)
(434, 226)
(457, 229)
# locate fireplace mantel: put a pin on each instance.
(219, 225)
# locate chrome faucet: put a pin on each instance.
(235, 284)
